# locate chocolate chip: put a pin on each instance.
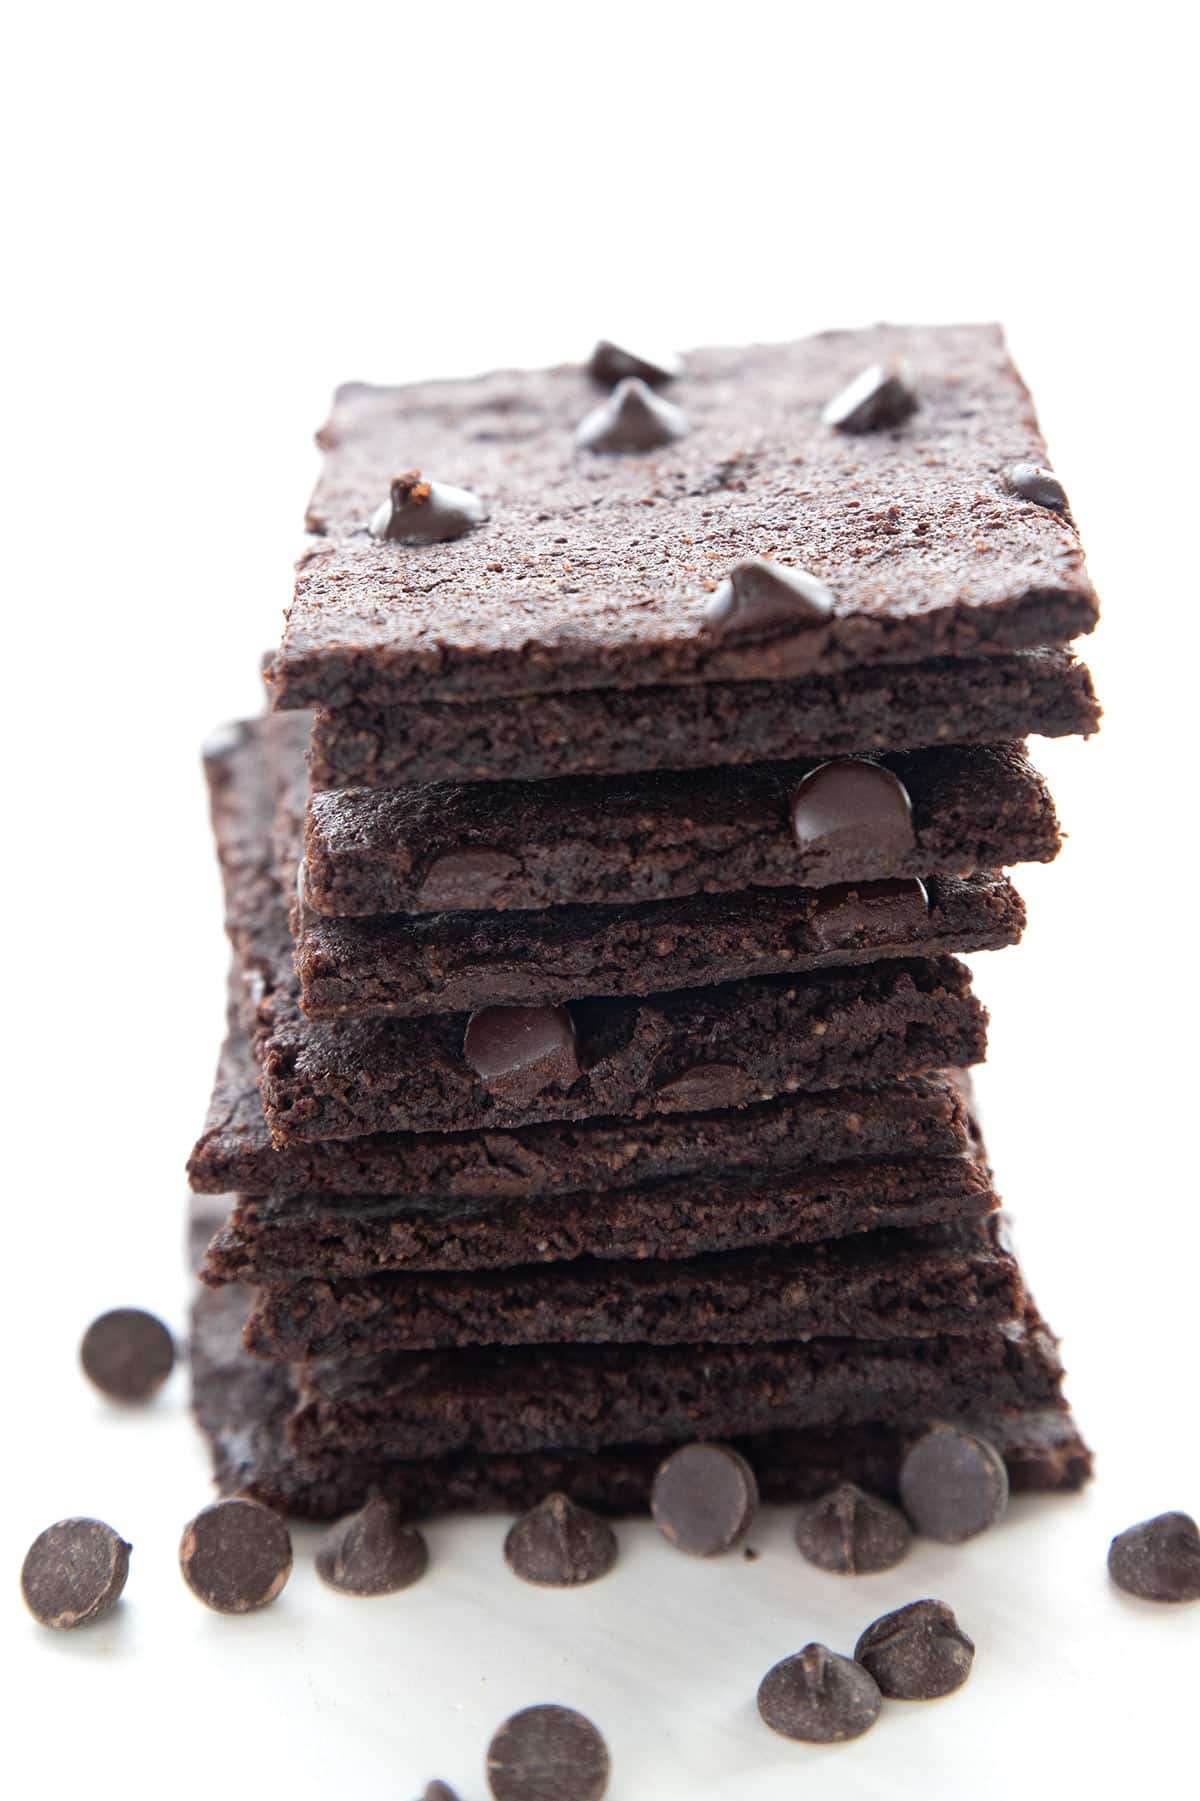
(1158, 1559)
(611, 363)
(466, 879)
(853, 807)
(372, 1552)
(519, 1052)
(235, 1556)
(917, 1653)
(547, 1754)
(1032, 482)
(819, 1697)
(758, 601)
(424, 512)
(953, 1484)
(127, 1354)
(74, 1573)
(857, 914)
(704, 1498)
(706, 1086)
(559, 1545)
(852, 1533)
(881, 396)
(632, 418)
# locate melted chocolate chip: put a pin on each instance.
(466, 879)
(857, 914)
(853, 807)
(633, 418)
(611, 363)
(953, 1484)
(127, 1354)
(373, 1552)
(917, 1653)
(559, 1545)
(1032, 482)
(818, 1697)
(1158, 1559)
(705, 1087)
(852, 1533)
(74, 1573)
(547, 1754)
(519, 1052)
(424, 512)
(880, 397)
(236, 1556)
(704, 1498)
(759, 600)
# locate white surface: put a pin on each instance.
(220, 213)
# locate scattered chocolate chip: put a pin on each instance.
(1042, 486)
(704, 1498)
(439, 1791)
(1158, 1559)
(611, 363)
(547, 1754)
(74, 1573)
(424, 512)
(852, 915)
(373, 1552)
(852, 1533)
(881, 396)
(706, 1086)
(760, 600)
(519, 1052)
(819, 1697)
(560, 1545)
(235, 1556)
(634, 417)
(470, 879)
(953, 1484)
(127, 1354)
(917, 1653)
(853, 806)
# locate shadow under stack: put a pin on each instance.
(647, 742)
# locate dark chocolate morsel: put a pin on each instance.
(852, 1533)
(760, 600)
(547, 1754)
(953, 1484)
(424, 512)
(235, 1556)
(853, 806)
(880, 397)
(611, 363)
(519, 1052)
(917, 1653)
(74, 1573)
(705, 1087)
(559, 1544)
(819, 1697)
(634, 417)
(470, 879)
(1033, 482)
(855, 914)
(704, 1498)
(127, 1354)
(1158, 1559)
(373, 1552)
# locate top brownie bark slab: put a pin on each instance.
(594, 570)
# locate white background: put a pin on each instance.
(213, 214)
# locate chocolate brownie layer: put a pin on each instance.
(275, 1242)
(595, 571)
(919, 1119)
(243, 1405)
(616, 840)
(980, 700)
(940, 1279)
(532, 1398)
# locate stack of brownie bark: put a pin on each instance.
(646, 744)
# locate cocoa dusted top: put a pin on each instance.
(596, 571)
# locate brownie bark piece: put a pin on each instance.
(617, 840)
(919, 1119)
(531, 1398)
(243, 1405)
(595, 571)
(606, 731)
(878, 1285)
